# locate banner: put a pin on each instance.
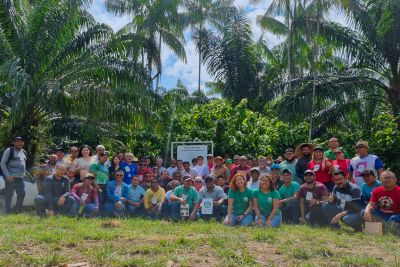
(189, 152)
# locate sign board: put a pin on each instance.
(189, 152)
(207, 206)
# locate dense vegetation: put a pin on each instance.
(65, 79)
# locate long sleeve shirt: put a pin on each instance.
(78, 190)
(54, 188)
(13, 166)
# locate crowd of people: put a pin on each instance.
(307, 185)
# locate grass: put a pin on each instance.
(30, 241)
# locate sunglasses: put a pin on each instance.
(338, 153)
(198, 181)
(118, 175)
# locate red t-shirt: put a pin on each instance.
(342, 164)
(388, 201)
(322, 174)
(244, 170)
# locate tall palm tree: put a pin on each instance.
(55, 59)
(201, 15)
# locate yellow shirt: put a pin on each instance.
(153, 198)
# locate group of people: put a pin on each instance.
(307, 185)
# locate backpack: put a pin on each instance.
(10, 157)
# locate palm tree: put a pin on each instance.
(55, 59)
(201, 15)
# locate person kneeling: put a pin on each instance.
(344, 203)
(266, 202)
(212, 198)
(56, 196)
(86, 197)
(117, 195)
(184, 200)
(240, 202)
(154, 199)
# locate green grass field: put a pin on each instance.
(30, 241)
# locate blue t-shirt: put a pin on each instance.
(366, 190)
(129, 171)
(136, 194)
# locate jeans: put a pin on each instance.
(391, 218)
(67, 209)
(246, 221)
(218, 213)
(153, 214)
(134, 211)
(176, 210)
(291, 211)
(353, 220)
(315, 215)
(19, 187)
(89, 210)
(275, 222)
(166, 210)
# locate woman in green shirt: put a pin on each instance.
(240, 202)
(266, 203)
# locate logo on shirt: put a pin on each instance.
(385, 202)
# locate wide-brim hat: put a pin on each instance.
(298, 151)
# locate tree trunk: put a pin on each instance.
(159, 73)
(393, 93)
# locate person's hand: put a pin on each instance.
(331, 198)
(228, 221)
(159, 207)
(136, 204)
(328, 164)
(118, 205)
(192, 216)
(216, 203)
(268, 223)
(50, 213)
(367, 216)
(259, 221)
(96, 210)
(240, 218)
(122, 199)
(61, 201)
(10, 179)
(313, 202)
(303, 220)
(82, 202)
(182, 201)
(335, 219)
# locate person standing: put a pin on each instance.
(100, 171)
(322, 168)
(364, 161)
(304, 153)
(13, 165)
(290, 164)
(340, 163)
(334, 144)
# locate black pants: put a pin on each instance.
(19, 187)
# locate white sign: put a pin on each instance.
(185, 210)
(207, 206)
(309, 196)
(189, 152)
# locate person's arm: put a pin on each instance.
(161, 198)
(274, 211)
(350, 176)
(195, 209)
(257, 210)
(47, 193)
(230, 208)
(74, 191)
(355, 204)
(302, 210)
(110, 193)
(147, 200)
(378, 166)
(368, 210)
(4, 161)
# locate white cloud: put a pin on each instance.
(99, 12)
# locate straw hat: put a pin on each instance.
(298, 152)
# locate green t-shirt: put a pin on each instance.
(241, 200)
(266, 201)
(287, 192)
(330, 155)
(191, 194)
(291, 166)
(101, 172)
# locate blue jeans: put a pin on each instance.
(19, 187)
(391, 218)
(176, 210)
(135, 211)
(218, 213)
(166, 210)
(353, 220)
(275, 222)
(67, 209)
(246, 221)
(88, 210)
(112, 211)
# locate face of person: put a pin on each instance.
(264, 184)
(103, 159)
(243, 162)
(198, 183)
(250, 162)
(60, 154)
(209, 159)
(339, 154)
(187, 167)
(121, 156)
(275, 173)
(142, 165)
(362, 150)
(135, 180)
(129, 158)
(179, 164)
(306, 151)
(18, 144)
(218, 162)
(148, 161)
(210, 184)
(262, 162)
(148, 177)
(85, 152)
(164, 176)
(53, 160)
(172, 163)
(309, 178)
(339, 180)
(159, 162)
(286, 177)
(88, 181)
(100, 150)
(369, 179)
(229, 165)
(388, 181)
(119, 176)
(74, 152)
(221, 182)
(187, 183)
(70, 173)
(333, 143)
(318, 154)
(236, 160)
(116, 160)
(154, 184)
(60, 171)
(289, 155)
(155, 170)
(268, 162)
(200, 161)
(255, 175)
(177, 176)
(239, 181)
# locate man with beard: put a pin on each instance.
(334, 144)
(262, 166)
(311, 195)
(290, 164)
(305, 151)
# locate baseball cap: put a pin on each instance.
(18, 138)
(186, 177)
(367, 172)
(286, 171)
(319, 148)
(229, 161)
(309, 171)
(89, 175)
(275, 166)
(255, 169)
(208, 178)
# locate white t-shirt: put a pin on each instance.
(118, 190)
(358, 165)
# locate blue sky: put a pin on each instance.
(174, 69)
